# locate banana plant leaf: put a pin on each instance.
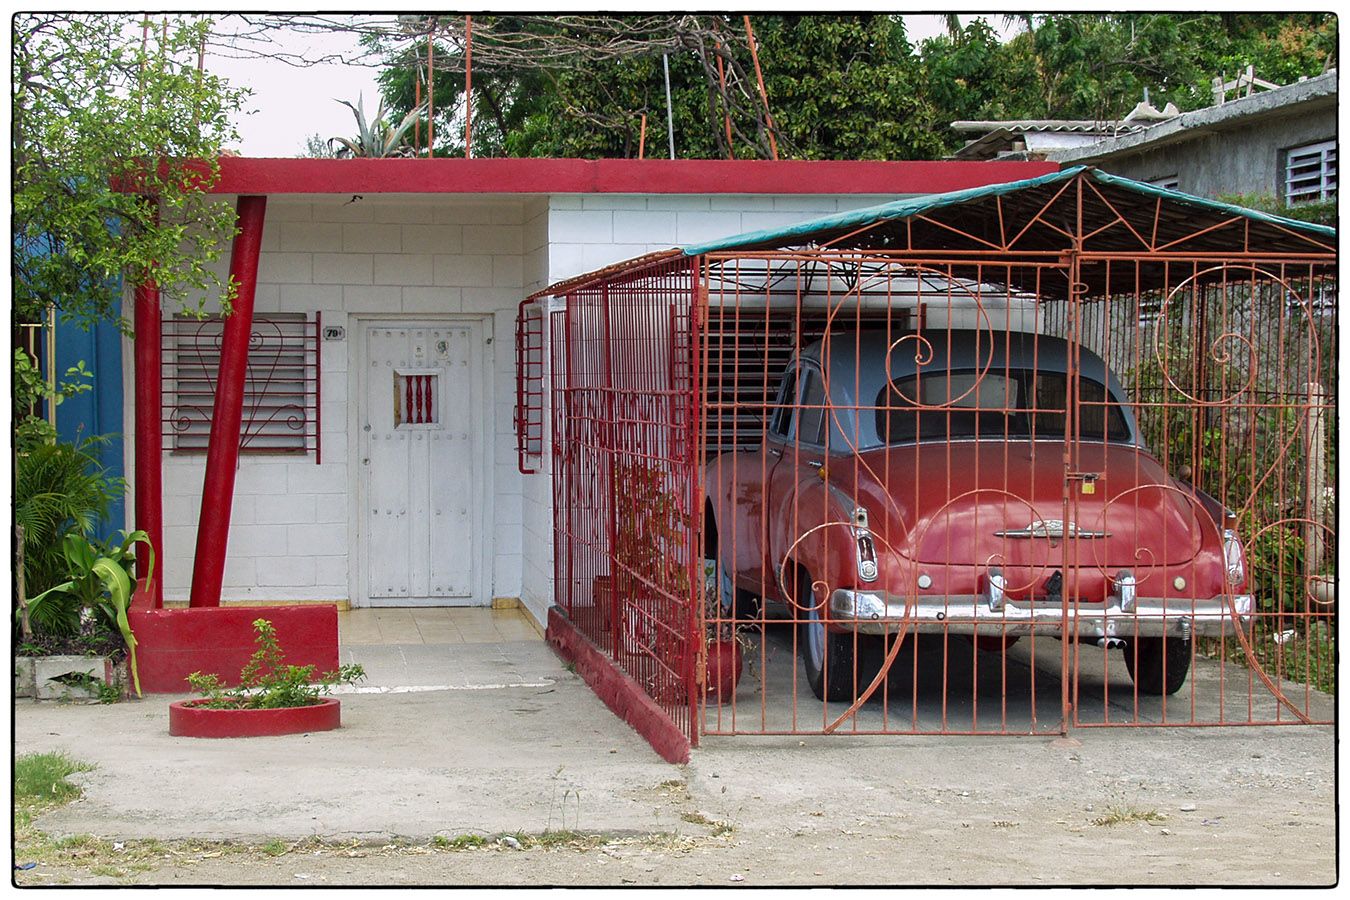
(112, 576)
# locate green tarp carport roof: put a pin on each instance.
(899, 210)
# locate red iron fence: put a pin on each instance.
(1063, 460)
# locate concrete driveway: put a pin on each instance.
(494, 735)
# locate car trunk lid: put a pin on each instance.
(1002, 503)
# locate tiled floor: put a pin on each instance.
(434, 625)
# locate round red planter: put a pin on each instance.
(724, 668)
(187, 718)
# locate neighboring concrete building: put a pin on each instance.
(384, 331)
(1279, 143)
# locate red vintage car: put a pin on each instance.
(934, 482)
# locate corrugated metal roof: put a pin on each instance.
(1021, 126)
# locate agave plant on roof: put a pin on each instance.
(378, 138)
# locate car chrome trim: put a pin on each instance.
(1127, 590)
(973, 614)
(994, 590)
(1055, 529)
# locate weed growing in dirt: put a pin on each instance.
(719, 829)
(567, 792)
(1121, 815)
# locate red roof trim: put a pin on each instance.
(243, 175)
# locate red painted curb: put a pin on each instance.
(624, 696)
(187, 719)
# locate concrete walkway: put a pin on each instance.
(486, 734)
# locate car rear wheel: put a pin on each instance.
(1158, 665)
(828, 657)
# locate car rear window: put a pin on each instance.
(1017, 403)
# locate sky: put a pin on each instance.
(289, 103)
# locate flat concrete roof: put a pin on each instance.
(247, 175)
(1314, 93)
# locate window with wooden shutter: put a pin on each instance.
(281, 387)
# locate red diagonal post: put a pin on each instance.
(149, 437)
(222, 452)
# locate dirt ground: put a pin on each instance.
(420, 788)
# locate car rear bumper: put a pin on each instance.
(875, 612)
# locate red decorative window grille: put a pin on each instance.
(281, 387)
(416, 398)
(529, 415)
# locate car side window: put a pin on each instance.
(787, 405)
(811, 422)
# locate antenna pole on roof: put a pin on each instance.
(763, 94)
(670, 110)
(468, 87)
(431, 92)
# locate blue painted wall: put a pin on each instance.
(96, 412)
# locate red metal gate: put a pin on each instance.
(1230, 365)
(626, 477)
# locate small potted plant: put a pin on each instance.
(724, 654)
(272, 698)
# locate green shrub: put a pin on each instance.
(99, 580)
(59, 489)
(266, 683)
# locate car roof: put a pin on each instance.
(858, 360)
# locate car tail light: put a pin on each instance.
(867, 550)
(1233, 558)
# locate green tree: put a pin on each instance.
(838, 86)
(108, 114)
(504, 96)
(847, 87)
(972, 75)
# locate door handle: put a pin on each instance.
(775, 451)
(814, 463)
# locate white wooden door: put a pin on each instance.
(420, 447)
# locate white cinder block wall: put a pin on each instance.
(404, 256)
(396, 256)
